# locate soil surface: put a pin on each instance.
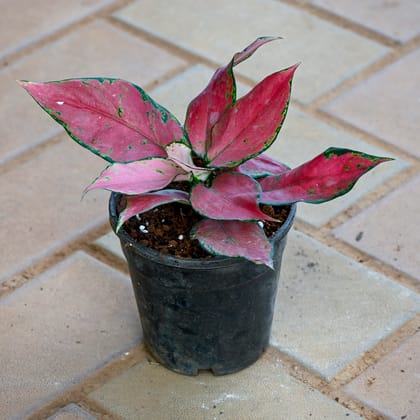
(167, 228)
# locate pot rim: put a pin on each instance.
(193, 263)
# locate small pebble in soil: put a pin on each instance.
(261, 224)
(181, 237)
(143, 229)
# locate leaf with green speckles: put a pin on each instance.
(252, 124)
(112, 118)
(325, 177)
(149, 149)
(232, 238)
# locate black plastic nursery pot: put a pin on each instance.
(198, 314)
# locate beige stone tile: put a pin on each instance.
(303, 137)
(97, 49)
(330, 309)
(218, 29)
(60, 327)
(392, 386)
(389, 229)
(386, 104)
(398, 19)
(263, 391)
(42, 207)
(23, 22)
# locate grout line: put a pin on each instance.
(375, 264)
(371, 198)
(43, 264)
(66, 29)
(166, 77)
(355, 131)
(73, 398)
(324, 236)
(29, 153)
(371, 357)
(96, 409)
(342, 22)
(107, 257)
(381, 64)
(80, 391)
(156, 41)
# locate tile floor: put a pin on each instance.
(345, 336)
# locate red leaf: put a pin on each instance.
(112, 118)
(260, 166)
(205, 110)
(144, 202)
(232, 196)
(252, 124)
(137, 177)
(233, 238)
(327, 176)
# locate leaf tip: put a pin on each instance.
(23, 83)
(90, 187)
(269, 38)
(293, 68)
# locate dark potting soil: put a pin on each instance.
(167, 228)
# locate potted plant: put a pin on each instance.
(201, 213)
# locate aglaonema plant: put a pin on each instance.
(218, 152)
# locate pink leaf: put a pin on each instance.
(252, 124)
(144, 202)
(327, 176)
(262, 165)
(112, 118)
(137, 177)
(181, 155)
(205, 110)
(233, 238)
(232, 196)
